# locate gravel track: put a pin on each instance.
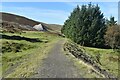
(57, 65)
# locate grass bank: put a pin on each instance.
(107, 59)
(20, 58)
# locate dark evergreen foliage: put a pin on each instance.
(111, 22)
(86, 26)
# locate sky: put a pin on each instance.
(54, 12)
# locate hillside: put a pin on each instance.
(26, 21)
(14, 27)
(54, 27)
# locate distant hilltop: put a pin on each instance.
(28, 24)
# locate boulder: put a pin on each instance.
(39, 27)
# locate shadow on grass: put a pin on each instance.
(19, 38)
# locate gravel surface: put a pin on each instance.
(57, 65)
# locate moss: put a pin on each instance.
(14, 47)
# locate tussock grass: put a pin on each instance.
(24, 62)
(106, 58)
(86, 70)
(14, 47)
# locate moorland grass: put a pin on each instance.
(24, 62)
(106, 58)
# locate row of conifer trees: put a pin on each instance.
(87, 26)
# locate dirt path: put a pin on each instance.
(56, 65)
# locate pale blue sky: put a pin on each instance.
(54, 12)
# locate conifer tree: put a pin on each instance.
(86, 26)
(111, 22)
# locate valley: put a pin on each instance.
(29, 52)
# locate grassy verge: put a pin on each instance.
(24, 62)
(86, 70)
(107, 59)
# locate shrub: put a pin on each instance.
(112, 37)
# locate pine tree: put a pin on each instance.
(86, 26)
(69, 27)
(111, 22)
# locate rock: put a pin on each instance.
(38, 27)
